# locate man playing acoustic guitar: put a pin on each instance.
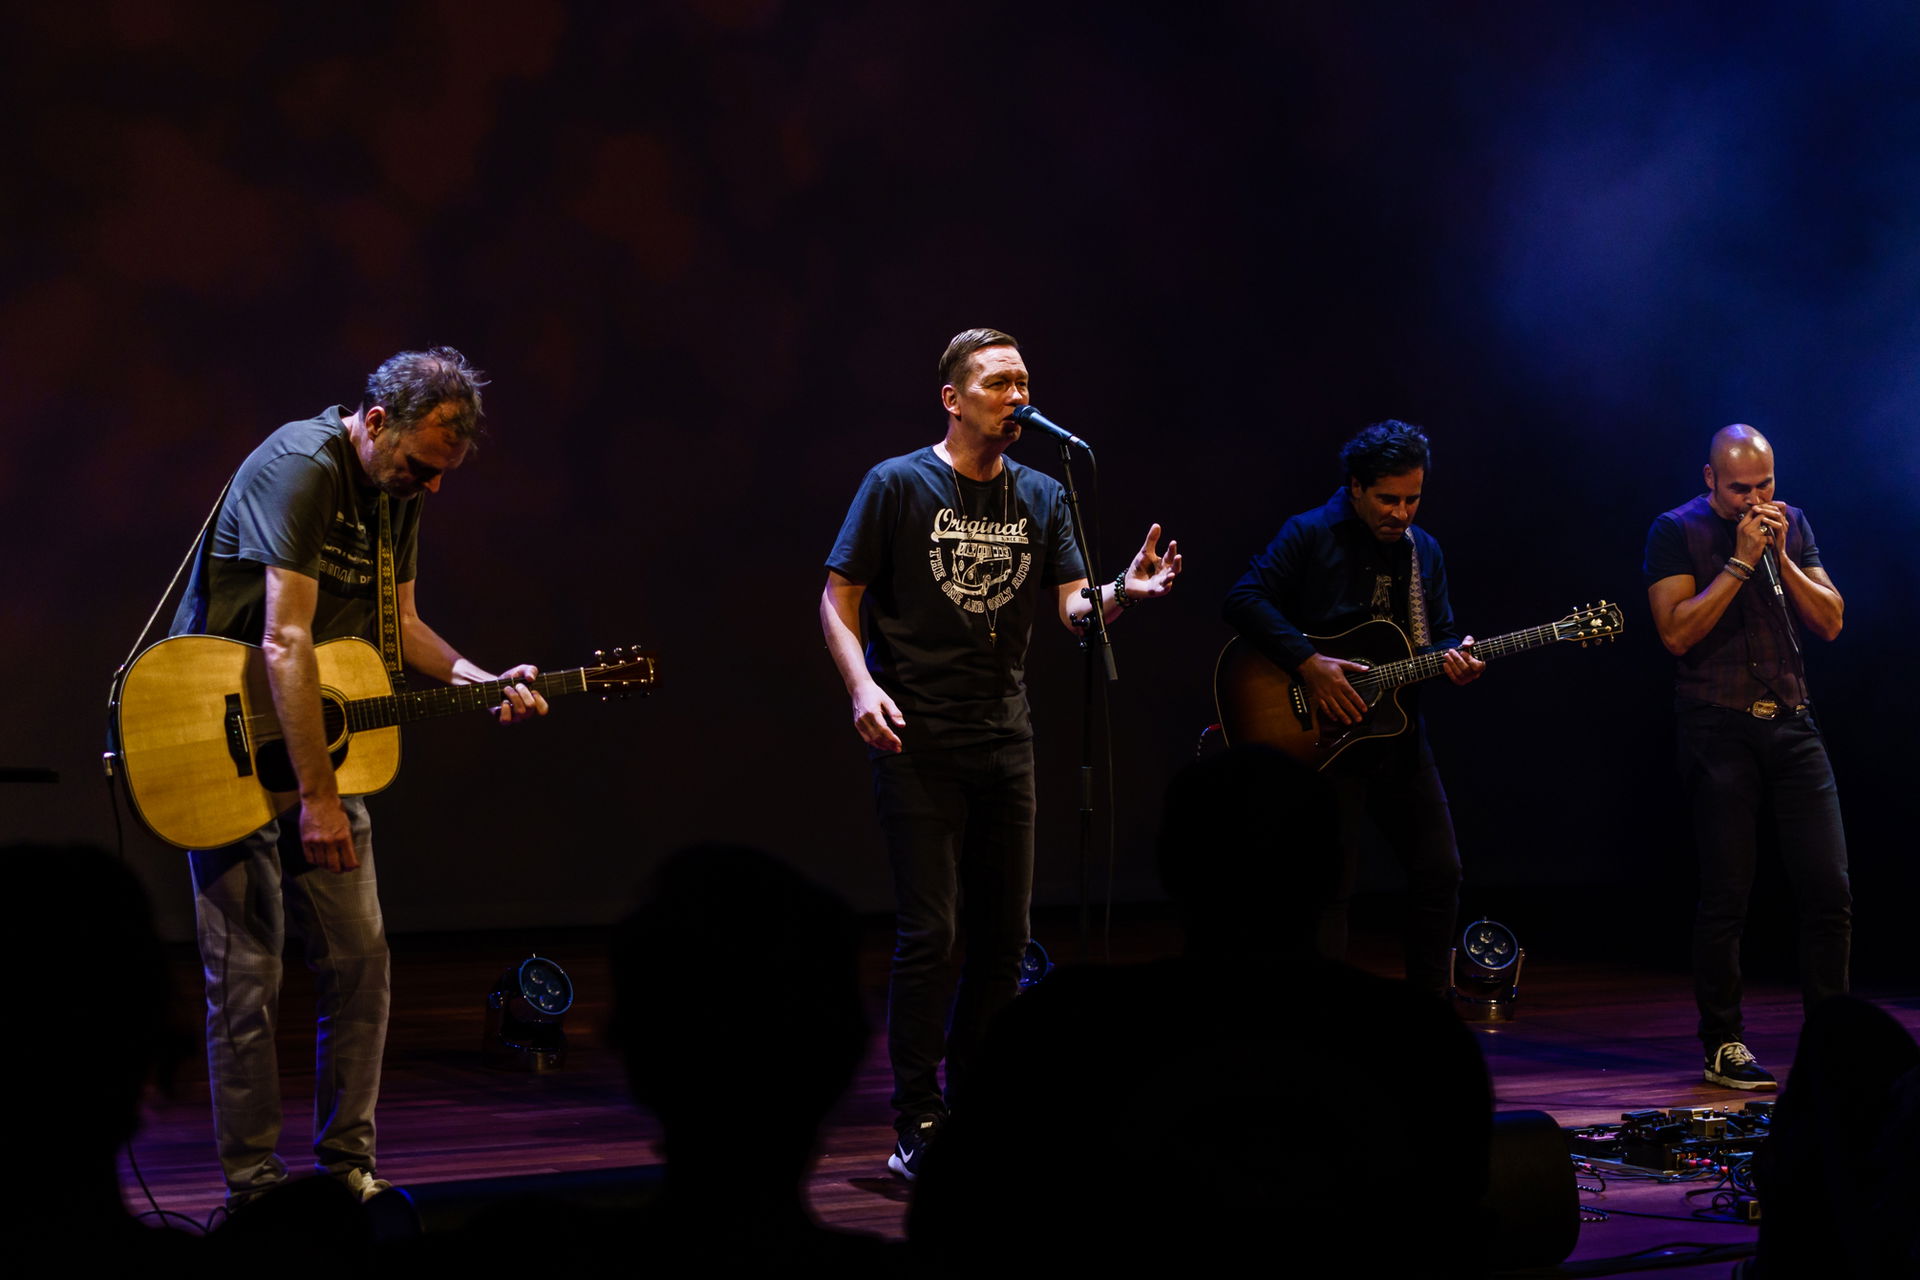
(295, 558)
(1359, 558)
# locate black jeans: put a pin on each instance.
(1731, 763)
(959, 831)
(1400, 793)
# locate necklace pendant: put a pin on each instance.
(993, 635)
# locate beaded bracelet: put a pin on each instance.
(1740, 568)
(1120, 590)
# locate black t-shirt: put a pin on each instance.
(955, 572)
(300, 501)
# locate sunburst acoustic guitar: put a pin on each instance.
(1260, 702)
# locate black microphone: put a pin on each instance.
(1028, 416)
(1766, 559)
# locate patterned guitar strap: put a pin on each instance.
(389, 601)
(1382, 602)
(1416, 598)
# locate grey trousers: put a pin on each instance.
(246, 898)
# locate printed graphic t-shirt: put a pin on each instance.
(300, 501)
(955, 571)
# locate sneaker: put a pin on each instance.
(363, 1184)
(1732, 1066)
(910, 1151)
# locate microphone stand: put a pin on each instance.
(1094, 640)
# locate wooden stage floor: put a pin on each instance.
(1589, 1042)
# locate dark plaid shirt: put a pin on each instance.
(1748, 654)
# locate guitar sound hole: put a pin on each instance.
(275, 768)
(333, 719)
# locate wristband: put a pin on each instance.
(1120, 590)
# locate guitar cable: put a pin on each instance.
(110, 775)
(154, 1212)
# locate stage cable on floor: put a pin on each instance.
(156, 1213)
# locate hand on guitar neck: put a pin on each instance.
(517, 701)
(1461, 666)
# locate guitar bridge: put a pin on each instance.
(237, 739)
(1297, 699)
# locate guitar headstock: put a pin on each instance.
(622, 672)
(1595, 624)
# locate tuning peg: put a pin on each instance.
(600, 657)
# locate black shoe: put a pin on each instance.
(1731, 1066)
(910, 1151)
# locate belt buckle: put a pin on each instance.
(1764, 709)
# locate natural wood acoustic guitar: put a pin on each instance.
(200, 747)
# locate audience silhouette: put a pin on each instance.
(1247, 1099)
(108, 1009)
(738, 1014)
(101, 1010)
(1836, 1177)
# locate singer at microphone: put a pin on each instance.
(949, 561)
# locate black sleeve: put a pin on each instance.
(1253, 605)
(1666, 555)
(861, 551)
(1807, 554)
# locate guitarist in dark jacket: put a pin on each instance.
(1356, 559)
(293, 558)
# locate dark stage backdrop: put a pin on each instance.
(709, 253)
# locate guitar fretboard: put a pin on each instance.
(402, 708)
(1425, 666)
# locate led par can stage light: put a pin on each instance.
(525, 1011)
(1485, 972)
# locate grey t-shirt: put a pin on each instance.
(956, 571)
(300, 501)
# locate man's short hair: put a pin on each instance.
(954, 364)
(412, 384)
(1389, 448)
